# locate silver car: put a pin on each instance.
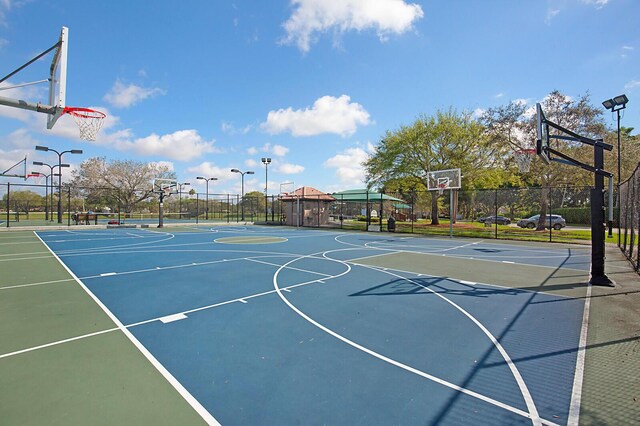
(554, 221)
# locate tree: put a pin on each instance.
(126, 182)
(444, 141)
(513, 127)
(24, 200)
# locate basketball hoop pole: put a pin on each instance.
(597, 275)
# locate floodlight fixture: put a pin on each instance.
(609, 104)
(621, 99)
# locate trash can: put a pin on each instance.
(391, 224)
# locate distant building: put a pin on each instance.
(306, 206)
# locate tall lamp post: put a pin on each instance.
(206, 210)
(46, 192)
(242, 173)
(266, 162)
(616, 105)
(180, 185)
(59, 174)
(60, 153)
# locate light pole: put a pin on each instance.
(60, 153)
(180, 185)
(46, 192)
(59, 174)
(266, 162)
(206, 210)
(242, 199)
(615, 105)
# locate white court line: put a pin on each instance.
(167, 375)
(576, 392)
(532, 414)
(25, 258)
(59, 342)
(172, 318)
(35, 284)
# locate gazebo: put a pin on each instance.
(306, 206)
(364, 202)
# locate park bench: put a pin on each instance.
(85, 218)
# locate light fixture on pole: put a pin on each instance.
(616, 105)
(59, 174)
(180, 185)
(266, 162)
(242, 173)
(46, 192)
(206, 210)
(60, 153)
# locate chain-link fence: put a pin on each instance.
(41, 205)
(498, 213)
(630, 218)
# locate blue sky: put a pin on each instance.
(207, 86)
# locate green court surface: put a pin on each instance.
(62, 359)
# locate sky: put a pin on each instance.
(207, 86)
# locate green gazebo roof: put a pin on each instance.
(362, 195)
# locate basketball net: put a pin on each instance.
(89, 121)
(441, 188)
(523, 159)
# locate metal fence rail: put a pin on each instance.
(412, 211)
(630, 218)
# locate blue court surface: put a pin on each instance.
(266, 325)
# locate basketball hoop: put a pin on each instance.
(89, 121)
(441, 188)
(523, 159)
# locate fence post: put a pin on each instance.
(69, 207)
(8, 202)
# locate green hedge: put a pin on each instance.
(580, 215)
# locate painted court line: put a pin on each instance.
(161, 369)
(576, 394)
(172, 318)
(35, 284)
(59, 342)
(531, 414)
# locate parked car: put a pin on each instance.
(500, 220)
(556, 221)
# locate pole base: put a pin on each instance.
(602, 281)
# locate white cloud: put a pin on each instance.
(632, 85)
(279, 150)
(207, 169)
(231, 129)
(182, 145)
(289, 169)
(312, 17)
(327, 115)
(477, 113)
(499, 95)
(597, 3)
(551, 13)
(251, 163)
(3, 43)
(124, 96)
(348, 164)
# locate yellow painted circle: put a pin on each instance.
(263, 239)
